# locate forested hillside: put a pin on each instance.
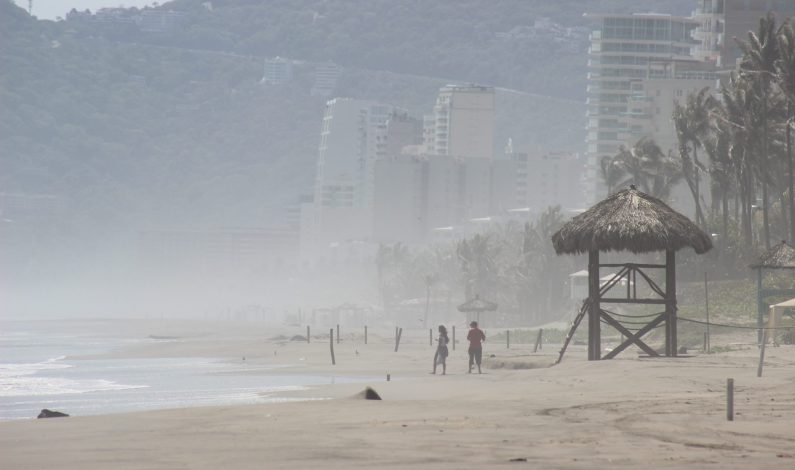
(133, 129)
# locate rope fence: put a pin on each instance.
(737, 326)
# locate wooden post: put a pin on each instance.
(762, 354)
(338, 333)
(307, 334)
(670, 303)
(396, 333)
(730, 399)
(453, 337)
(331, 345)
(507, 339)
(760, 305)
(397, 339)
(538, 340)
(365, 334)
(388, 377)
(594, 332)
(430, 337)
(706, 302)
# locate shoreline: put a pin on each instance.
(623, 413)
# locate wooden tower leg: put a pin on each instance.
(670, 304)
(760, 306)
(594, 332)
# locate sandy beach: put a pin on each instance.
(629, 412)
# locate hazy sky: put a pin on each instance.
(50, 9)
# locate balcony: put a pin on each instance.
(636, 114)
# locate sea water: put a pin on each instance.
(36, 371)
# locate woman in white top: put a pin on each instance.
(440, 357)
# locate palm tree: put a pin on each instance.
(653, 171)
(785, 77)
(646, 166)
(447, 272)
(692, 124)
(721, 170)
(739, 118)
(611, 172)
(760, 56)
(478, 267)
(390, 262)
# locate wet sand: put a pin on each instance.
(626, 413)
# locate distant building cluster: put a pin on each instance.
(147, 20)
(279, 71)
(384, 176)
(640, 63)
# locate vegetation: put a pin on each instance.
(513, 265)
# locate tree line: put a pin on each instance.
(512, 264)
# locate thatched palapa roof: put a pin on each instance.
(477, 305)
(781, 256)
(630, 220)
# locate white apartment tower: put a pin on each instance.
(352, 138)
(462, 123)
(626, 51)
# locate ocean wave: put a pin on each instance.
(22, 380)
(9, 370)
(42, 386)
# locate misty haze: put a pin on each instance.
(354, 233)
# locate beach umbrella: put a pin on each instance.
(476, 306)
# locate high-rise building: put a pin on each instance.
(626, 52)
(399, 203)
(462, 123)
(402, 131)
(652, 101)
(553, 179)
(720, 21)
(416, 195)
(352, 138)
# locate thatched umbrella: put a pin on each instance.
(633, 221)
(477, 305)
(780, 256)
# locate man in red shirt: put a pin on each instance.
(476, 337)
